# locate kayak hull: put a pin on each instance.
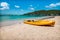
(41, 22)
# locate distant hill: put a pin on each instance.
(44, 13)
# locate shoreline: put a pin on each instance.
(11, 22)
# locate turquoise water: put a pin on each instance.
(5, 18)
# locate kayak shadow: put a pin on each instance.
(46, 26)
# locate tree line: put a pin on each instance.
(44, 13)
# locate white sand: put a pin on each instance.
(21, 31)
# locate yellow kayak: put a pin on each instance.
(40, 22)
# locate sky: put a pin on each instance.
(19, 7)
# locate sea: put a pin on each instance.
(16, 17)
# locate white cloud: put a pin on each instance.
(17, 6)
(32, 9)
(58, 4)
(4, 5)
(53, 5)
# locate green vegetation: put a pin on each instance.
(44, 13)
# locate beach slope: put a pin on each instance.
(21, 31)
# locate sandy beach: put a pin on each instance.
(20, 31)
